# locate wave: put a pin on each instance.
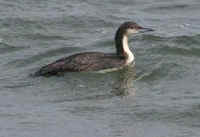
(7, 48)
(48, 54)
(180, 45)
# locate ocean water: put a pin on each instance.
(160, 97)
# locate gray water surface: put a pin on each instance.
(158, 98)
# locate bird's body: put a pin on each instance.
(96, 61)
(87, 61)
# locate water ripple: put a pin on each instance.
(167, 50)
(163, 70)
(6, 48)
(186, 46)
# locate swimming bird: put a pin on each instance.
(96, 61)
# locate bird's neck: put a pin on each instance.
(128, 54)
(121, 41)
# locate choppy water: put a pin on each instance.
(159, 98)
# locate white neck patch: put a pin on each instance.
(130, 56)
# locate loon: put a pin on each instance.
(98, 61)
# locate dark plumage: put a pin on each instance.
(88, 61)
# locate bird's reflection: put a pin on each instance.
(98, 86)
(124, 84)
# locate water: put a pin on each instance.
(159, 98)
